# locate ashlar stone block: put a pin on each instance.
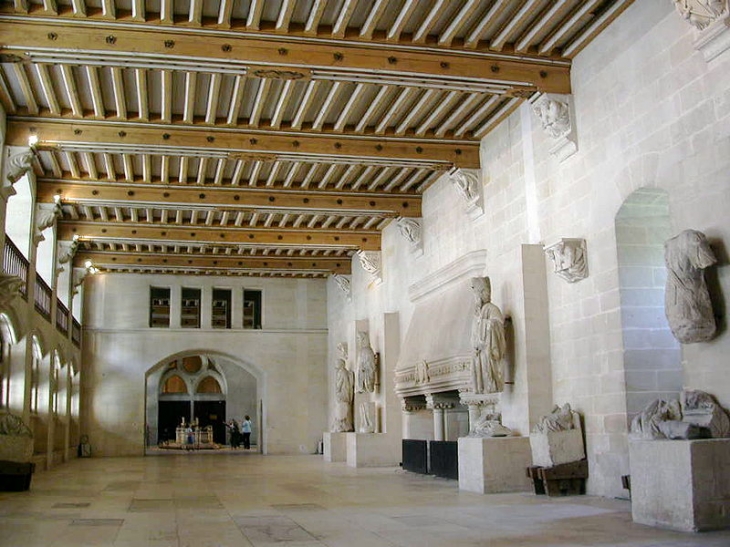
(335, 447)
(496, 464)
(683, 485)
(556, 447)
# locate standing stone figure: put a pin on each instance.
(344, 395)
(367, 367)
(487, 338)
(687, 300)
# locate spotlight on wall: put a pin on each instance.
(32, 140)
(89, 265)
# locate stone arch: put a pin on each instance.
(242, 389)
(651, 355)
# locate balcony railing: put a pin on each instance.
(14, 263)
(62, 314)
(43, 295)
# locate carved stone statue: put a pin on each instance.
(687, 301)
(701, 408)
(367, 366)
(560, 419)
(701, 13)
(696, 415)
(490, 425)
(487, 338)
(344, 395)
(367, 417)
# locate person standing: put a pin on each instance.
(246, 432)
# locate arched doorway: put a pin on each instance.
(652, 358)
(200, 387)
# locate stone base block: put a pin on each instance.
(683, 485)
(335, 447)
(556, 447)
(491, 465)
(373, 450)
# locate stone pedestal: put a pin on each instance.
(556, 447)
(684, 485)
(372, 450)
(335, 447)
(496, 464)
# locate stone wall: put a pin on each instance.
(650, 112)
(287, 357)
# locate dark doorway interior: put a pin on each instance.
(169, 416)
(212, 413)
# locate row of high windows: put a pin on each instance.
(191, 303)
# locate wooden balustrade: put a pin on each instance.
(14, 263)
(43, 295)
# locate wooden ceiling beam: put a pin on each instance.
(407, 205)
(32, 34)
(50, 133)
(103, 259)
(366, 240)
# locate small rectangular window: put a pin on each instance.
(251, 309)
(190, 311)
(159, 307)
(221, 313)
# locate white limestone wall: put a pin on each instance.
(650, 113)
(287, 357)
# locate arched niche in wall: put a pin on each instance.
(652, 358)
(210, 387)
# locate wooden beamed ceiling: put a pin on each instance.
(266, 137)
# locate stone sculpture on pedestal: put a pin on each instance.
(367, 365)
(344, 395)
(488, 341)
(687, 300)
(490, 425)
(695, 416)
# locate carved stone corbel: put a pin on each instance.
(10, 286)
(570, 258)
(410, 229)
(19, 164)
(370, 262)
(65, 253)
(555, 113)
(45, 217)
(711, 19)
(343, 282)
(78, 279)
(468, 185)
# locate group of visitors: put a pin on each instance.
(240, 433)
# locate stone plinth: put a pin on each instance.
(556, 447)
(372, 450)
(335, 447)
(496, 464)
(684, 485)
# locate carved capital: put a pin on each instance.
(370, 262)
(343, 282)
(701, 13)
(438, 401)
(468, 185)
(570, 258)
(555, 114)
(411, 405)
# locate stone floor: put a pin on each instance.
(239, 499)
